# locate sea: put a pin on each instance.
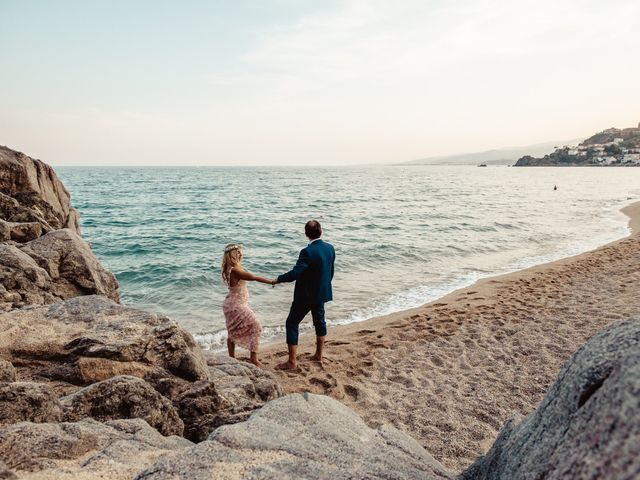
(403, 235)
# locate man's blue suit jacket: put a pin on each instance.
(312, 273)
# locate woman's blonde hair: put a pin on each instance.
(231, 258)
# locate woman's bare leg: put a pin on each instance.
(232, 348)
(254, 359)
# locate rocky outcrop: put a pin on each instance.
(28, 402)
(51, 268)
(115, 450)
(587, 426)
(123, 397)
(39, 196)
(72, 267)
(301, 436)
(87, 339)
(42, 257)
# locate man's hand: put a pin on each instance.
(273, 282)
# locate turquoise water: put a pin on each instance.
(403, 235)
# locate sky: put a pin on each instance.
(292, 82)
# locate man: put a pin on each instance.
(312, 273)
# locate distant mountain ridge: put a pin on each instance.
(498, 156)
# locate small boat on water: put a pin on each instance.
(482, 165)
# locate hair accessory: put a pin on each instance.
(233, 246)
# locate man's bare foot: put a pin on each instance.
(287, 366)
(316, 358)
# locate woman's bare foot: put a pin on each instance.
(287, 366)
(254, 359)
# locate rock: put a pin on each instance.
(237, 381)
(27, 401)
(236, 389)
(72, 267)
(43, 260)
(123, 397)
(7, 371)
(23, 281)
(19, 232)
(84, 339)
(301, 436)
(86, 449)
(588, 424)
(35, 186)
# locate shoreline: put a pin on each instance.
(632, 227)
(452, 371)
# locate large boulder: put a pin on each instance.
(28, 402)
(91, 338)
(57, 266)
(588, 424)
(42, 257)
(234, 391)
(40, 196)
(123, 397)
(72, 267)
(301, 436)
(87, 449)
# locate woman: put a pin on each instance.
(243, 326)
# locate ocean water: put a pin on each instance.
(404, 235)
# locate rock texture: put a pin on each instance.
(7, 371)
(234, 391)
(301, 436)
(88, 449)
(123, 397)
(26, 401)
(91, 338)
(38, 193)
(587, 426)
(42, 257)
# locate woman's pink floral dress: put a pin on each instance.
(243, 326)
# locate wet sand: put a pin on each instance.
(450, 373)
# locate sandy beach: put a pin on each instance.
(451, 372)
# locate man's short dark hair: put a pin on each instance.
(312, 229)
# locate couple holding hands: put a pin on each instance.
(312, 273)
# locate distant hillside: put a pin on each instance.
(611, 147)
(499, 156)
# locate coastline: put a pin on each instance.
(478, 354)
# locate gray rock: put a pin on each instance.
(236, 389)
(117, 449)
(123, 397)
(72, 267)
(588, 424)
(7, 371)
(19, 232)
(27, 401)
(91, 338)
(301, 436)
(36, 187)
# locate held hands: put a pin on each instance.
(274, 282)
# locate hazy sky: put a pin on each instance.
(309, 82)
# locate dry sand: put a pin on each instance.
(452, 372)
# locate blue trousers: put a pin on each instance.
(297, 313)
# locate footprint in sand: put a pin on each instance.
(324, 383)
(352, 391)
(365, 332)
(337, 342)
